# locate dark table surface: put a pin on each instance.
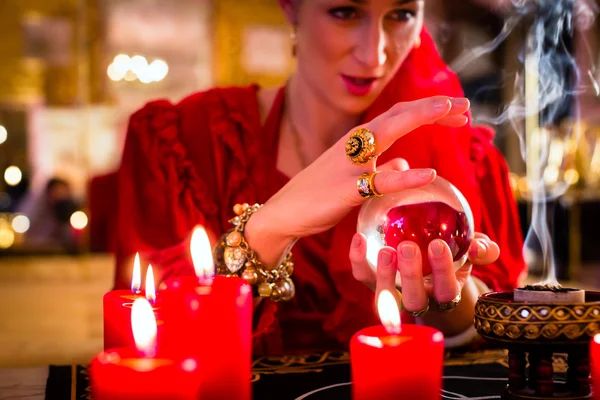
(473, 375)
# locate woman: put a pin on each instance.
(367, 64)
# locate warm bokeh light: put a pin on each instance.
(137, 67)
(523, 185)
(389, 313)
(3, 134)
(556, 152)
(513, 180)
(571, 176)
(7, 237)
(13, 175)
(20, 224)
(143, 325)
(201, 254)
(79, 220)
(136, 276)
(158, 70)
(130, 76)
(551, 174)
(122, 62)
(150, 287)
(114, 73)
(139, 64)
(597, 338)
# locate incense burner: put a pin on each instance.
(535, 323)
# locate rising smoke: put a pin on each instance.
(546, 58)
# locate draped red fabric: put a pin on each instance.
(188, 163)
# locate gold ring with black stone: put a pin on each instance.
(366, 185)
(360, 146)
(449, 306)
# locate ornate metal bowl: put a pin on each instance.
(533, 333)
(498, 318)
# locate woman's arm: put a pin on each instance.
(320, 196)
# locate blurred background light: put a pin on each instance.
(158, 70)
(7, 236)
(21, 224)
(79, 220)
(3, 134)
(137, 68)
(13, 175)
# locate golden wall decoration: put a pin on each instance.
(241, 23)
(34, 32)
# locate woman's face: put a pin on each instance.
(348, 50)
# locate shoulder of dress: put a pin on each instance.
(202, 102)
(206, 108)
(223, 98)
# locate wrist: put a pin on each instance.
(269, 244)
(236, 254)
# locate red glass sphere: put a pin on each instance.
(434, 211)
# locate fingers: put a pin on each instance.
(361, 270)
(479, 235)
(483, 251)
(396, 181)
(386, 270)
(445, 285)
(406, 117)
(453, 121)
(414, 295)
(395, 164)
(460, 105)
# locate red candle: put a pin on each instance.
(393, 362)
(117, 308)
(137, 373)
(210, 318)
(595, 365)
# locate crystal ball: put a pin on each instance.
(434, 211)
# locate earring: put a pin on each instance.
(417, 42)
(293, 40)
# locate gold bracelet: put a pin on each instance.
(234, 257)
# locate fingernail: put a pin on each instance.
(437, 248)
(460, 101)
(356, 242)
(440, 103)
(408, 251)
(385, 258)
(481, 250)
(425, 173)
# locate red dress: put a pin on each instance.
(190, 163)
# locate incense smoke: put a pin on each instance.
(548, 82)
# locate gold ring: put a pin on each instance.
(417, 313)
(360, 146)
(366, 186)
(449, 306)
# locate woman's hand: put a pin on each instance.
(321, 195)
(443, 287)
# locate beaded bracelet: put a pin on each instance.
(234, 257)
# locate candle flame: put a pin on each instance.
(202, 254)
(143, 325)
(150, 287)
(389, 313)
(136, 278)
